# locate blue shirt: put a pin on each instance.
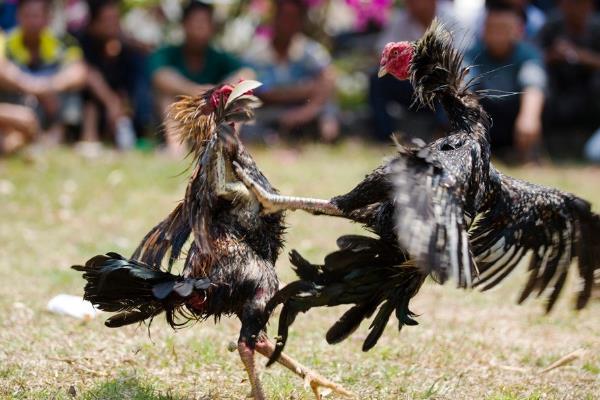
(524, 67)
(305, 61)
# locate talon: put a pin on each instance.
(315, 382)
(261, 194)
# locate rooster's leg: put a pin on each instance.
(225, 182)
(273, 202)
(311, 378)
(247, 356)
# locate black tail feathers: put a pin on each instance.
(368, 273)
(589, 258)
(138, 291)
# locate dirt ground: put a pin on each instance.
(63, 209)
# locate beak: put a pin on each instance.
(382, 72)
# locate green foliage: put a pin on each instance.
(511, 395)
(127, 388)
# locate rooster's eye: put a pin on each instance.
(395, 53)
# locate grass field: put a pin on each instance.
(62, 209)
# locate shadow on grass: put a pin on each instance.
(132, 388)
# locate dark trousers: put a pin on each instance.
(386, 90)
(503, 112)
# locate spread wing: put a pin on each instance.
(430, 194)
(554, 226)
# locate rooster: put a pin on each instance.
(439, 210)
(230, 262)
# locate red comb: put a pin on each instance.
(222, 94)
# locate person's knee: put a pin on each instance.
(592, 148)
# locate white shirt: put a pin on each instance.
(403, 26)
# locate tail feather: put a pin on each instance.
(170, 234)
(131, 317)
(378, 325)
(570, 231)
(303, 268)
(365, 273)
(288, 313)
(286, 318)
(349, 322)
(589, 258)
(135, 290)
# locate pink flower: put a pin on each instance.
(376, 11)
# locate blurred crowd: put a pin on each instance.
(100, 72)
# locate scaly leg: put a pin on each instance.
(273, 203)
(247, 356)
(224, 185)
(265, 347)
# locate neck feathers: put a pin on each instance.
(437, 74)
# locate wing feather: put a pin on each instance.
(553, 226)
(430, 218)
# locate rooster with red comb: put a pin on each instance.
(396, 59)
(229, 267)
(439, 209)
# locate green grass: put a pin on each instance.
(62, 209)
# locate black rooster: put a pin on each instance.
(230, 262)
(439, 209)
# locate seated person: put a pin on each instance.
(534, 17)
(19, 124)
(115, 72)
(571, 44)
(193, 66)
(591, 151)
(512, 73)
(408, 24)
(37, 51)
(8, 14)
(297, 76)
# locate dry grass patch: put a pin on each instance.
(63, 209)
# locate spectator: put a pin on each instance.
(297, 76)
(534, 17)
(591, 150)
(408, 24)
(8, 14)
(571, 44)
(546, 6)
(512, 69)
(115, 73)
(39, 52)
(193, 66)
(19, 124)
(411, 22)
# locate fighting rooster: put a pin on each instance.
(440, 209)
(230, 262)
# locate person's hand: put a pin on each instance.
(297, 116)
(528, 132)
(567, 51)
(50, 103)
(37, 86)
(199, 89)
(115, 110)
